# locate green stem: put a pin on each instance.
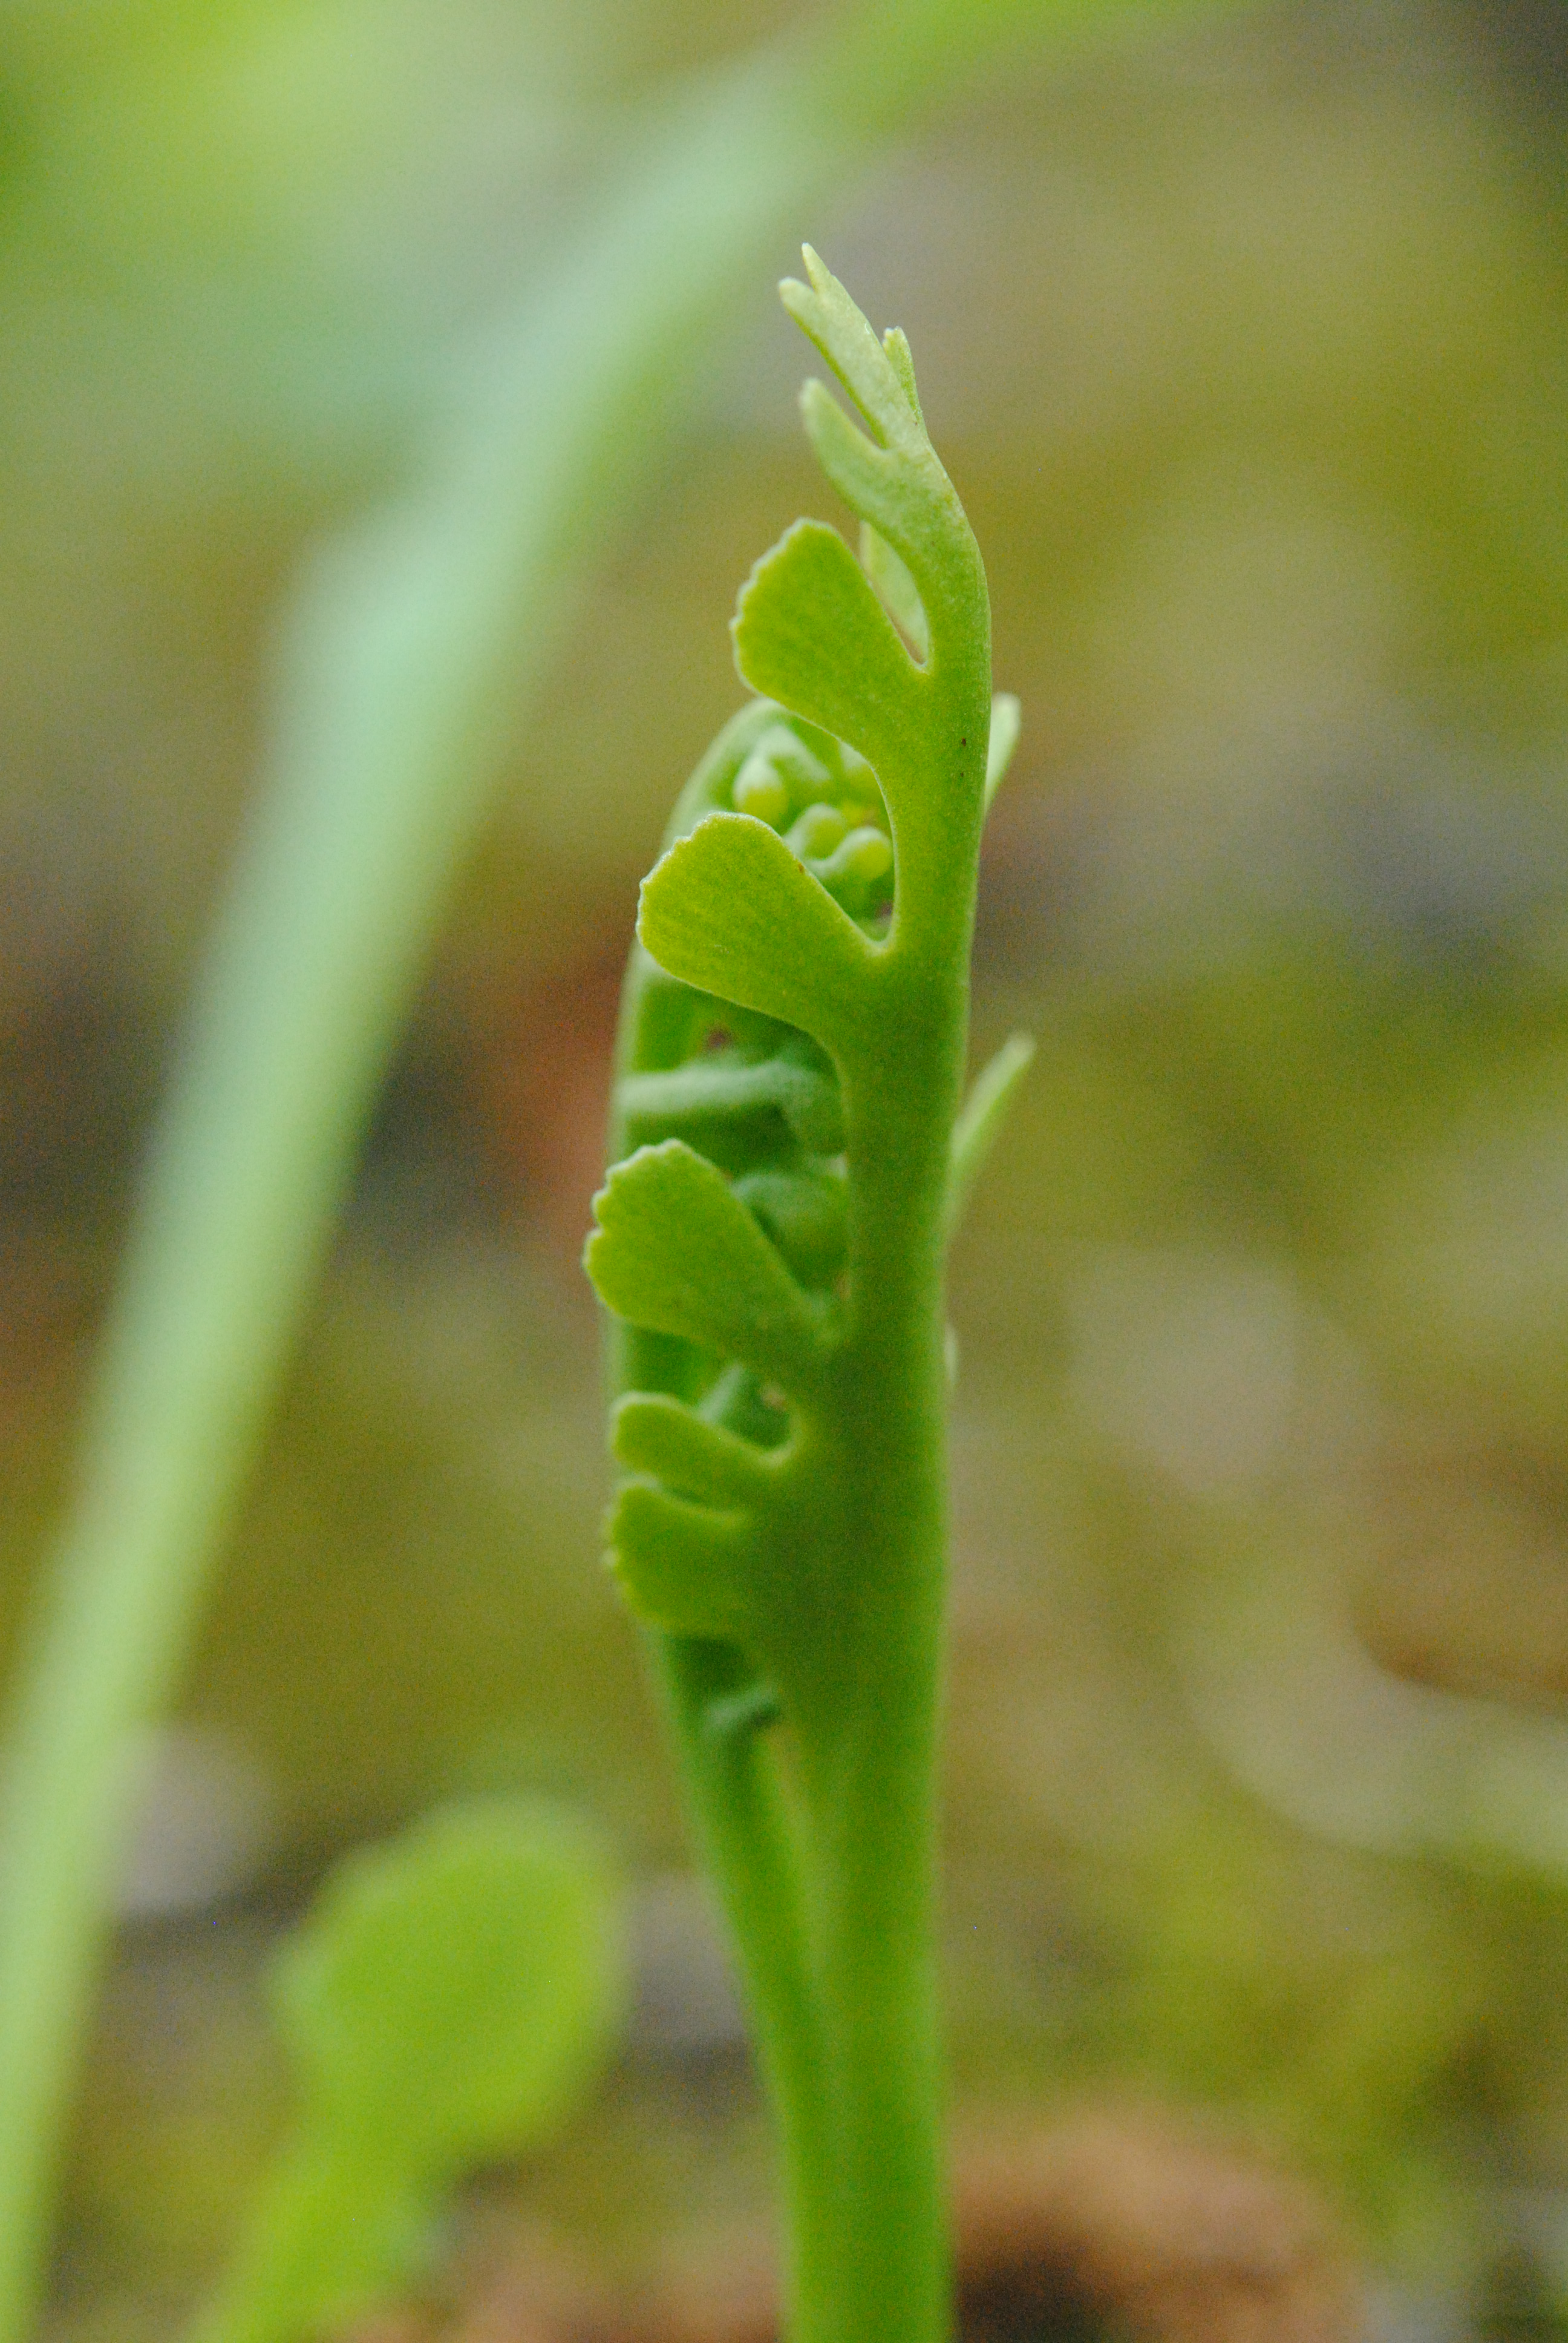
(873, 1801)
(322, 2240)
(750, 1846)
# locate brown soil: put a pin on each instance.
(1116, 2223)
(1127, 2219)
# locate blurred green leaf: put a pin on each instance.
(447, 2000)
(451, 1991)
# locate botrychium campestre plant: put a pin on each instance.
(790, 1154)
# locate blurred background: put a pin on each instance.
(1246, 345)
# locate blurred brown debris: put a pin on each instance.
(540, 1083)
(509, 2285)
(1468, 1590)
(50, 1293)
(1114, 2220)
(1128, 2218)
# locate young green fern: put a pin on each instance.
(791, 1155)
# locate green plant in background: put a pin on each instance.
(789, 1110)
(445, 2002)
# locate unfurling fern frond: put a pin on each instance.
(788, 1155)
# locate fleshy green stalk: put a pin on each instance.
(789, 1112)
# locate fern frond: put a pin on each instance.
(788, 1106)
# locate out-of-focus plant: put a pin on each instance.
(792, 1058)
(445, 2002)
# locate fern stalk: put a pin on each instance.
(773, 1238)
